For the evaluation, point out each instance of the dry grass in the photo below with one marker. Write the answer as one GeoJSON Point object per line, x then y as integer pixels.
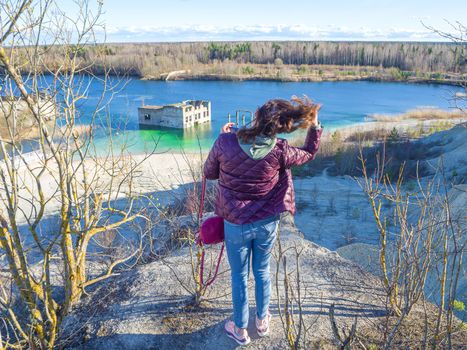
{"type": "Point", "coordinates": [411, 333]}
{"type": "Point", "coordinates": [339, 150]}
{"type": "Point", "coordinates": [421, 114]}
{"type": "Point", "coordinates": [377, 133]}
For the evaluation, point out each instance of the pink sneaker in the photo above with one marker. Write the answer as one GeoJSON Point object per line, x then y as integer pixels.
{"type": "Point", "coordinates": [262, 326]}
{"type": "Point", "coordinates": [229, 328]}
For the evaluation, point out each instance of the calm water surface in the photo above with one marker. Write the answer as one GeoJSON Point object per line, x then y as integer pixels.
{"type": "Point", "coordinates": [344, 103]}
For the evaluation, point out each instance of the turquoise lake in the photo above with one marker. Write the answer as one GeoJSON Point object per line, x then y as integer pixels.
{"type": "Point", "coordinates": [344, 103]}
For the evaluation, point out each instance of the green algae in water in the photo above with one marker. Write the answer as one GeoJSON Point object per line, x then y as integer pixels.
{"type": "Point", "coordinates": [159, 140]}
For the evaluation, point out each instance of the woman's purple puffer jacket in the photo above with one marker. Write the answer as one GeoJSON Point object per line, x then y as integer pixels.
{"type": "Point", "coordinates": [250, 190]}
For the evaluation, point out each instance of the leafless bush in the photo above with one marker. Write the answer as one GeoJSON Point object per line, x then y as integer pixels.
{"type": "Point", "coordinates": [89, 192]}
{"type": "Point", "coordinates": [291, 295]}
{"type": "Point", "coordinates": [342, 338]}
{"type": "Point", "coordinates": [424, 241]}
{"type": "Point", "coordinates": [181, 225]}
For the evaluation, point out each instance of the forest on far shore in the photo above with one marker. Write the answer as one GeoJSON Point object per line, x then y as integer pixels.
{"type": "Point", "coordinates": [263, 58]}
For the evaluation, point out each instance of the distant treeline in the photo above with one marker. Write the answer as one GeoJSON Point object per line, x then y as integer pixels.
{"type": "Point", "coordinates": [144, 59]}
{"type": "Point", "coordinates": [405, 56]}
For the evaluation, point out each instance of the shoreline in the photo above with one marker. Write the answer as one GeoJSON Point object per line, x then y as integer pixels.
{"type": "Point", "coordinates": [302, 79]}
{"type": "Point", "coordinates": [334, 74]}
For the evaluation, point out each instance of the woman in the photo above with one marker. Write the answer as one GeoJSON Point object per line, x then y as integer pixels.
{"type": "Point", "coordinates": [255, 187]}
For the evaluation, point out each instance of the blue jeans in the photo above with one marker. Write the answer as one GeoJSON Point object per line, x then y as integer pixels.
{"type": "Point", "coordinates": [244, 243]}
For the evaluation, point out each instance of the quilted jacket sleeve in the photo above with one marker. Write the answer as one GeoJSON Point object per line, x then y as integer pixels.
{"type": "Point", "coordinates": [300, 155]}
{"type": "Point", "coordinates": [211, 166]}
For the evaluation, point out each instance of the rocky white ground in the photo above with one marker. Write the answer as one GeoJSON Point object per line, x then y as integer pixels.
{"type": "Point", "coordinates": [146, 308]}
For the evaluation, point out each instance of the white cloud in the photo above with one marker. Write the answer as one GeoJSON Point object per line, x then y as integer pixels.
{"type": "Point", "coordinates": [263, 32]}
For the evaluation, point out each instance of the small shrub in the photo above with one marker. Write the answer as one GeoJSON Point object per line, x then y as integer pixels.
{"type": "Point", "coordinates": [398, 74]}
{"type": "Point", "coordinates": [458, 305]}
{"type": "Point", "coordinates": [336, 138]}
{"type": "Point", "coordinates": [302, 69]}
{"type": "Point", "coordinates": [108, 51]}
{"type": "Point", "coordinates": [77, 51]}
{"type": "Point", "coordinates": [394, 135]}
{"type": "Point", "coordinates": [248, 70]}
{"type": "Point", "coordinates": [278, 62]}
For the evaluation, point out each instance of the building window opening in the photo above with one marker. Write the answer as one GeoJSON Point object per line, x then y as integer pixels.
{"type": "Point", "coordinates": [147, 117]}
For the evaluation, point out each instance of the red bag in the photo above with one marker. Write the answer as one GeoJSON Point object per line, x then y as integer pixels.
{"type": "Point", "coordinates": [210, 232]}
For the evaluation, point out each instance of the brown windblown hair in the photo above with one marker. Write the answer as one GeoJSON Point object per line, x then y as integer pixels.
{"type": "Point", "coordinates": [280, 116]}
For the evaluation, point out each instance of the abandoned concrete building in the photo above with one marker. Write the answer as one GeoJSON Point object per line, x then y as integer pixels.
{"type": "Point", "coordinates": [178, 115]}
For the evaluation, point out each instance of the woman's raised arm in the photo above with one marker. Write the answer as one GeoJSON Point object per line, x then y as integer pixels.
{"type": "Point", "coordinates": [294, 156]}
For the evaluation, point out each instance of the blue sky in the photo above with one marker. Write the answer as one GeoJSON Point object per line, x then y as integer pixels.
{"type": "Point", "coordinates": [195, 20]}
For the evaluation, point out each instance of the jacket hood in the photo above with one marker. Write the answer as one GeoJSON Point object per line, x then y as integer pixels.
{"type": "Point", "coordinates": [260, 148]}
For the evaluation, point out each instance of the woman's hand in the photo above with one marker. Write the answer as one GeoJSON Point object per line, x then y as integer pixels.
{"type": "Point", "coordinates": [226, 128]}
{"type": "Point", "coordinates": [314, 120]}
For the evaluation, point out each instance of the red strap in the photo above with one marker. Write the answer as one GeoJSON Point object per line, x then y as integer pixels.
{"type": "Point", "coordinates": [200, 216]}
{"type": "Point", "coordinates": [200, 209]}
{"type": "Point", "coordinates": [201, 202]}
{"type": "Point", "coordinates": [201, 269]}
